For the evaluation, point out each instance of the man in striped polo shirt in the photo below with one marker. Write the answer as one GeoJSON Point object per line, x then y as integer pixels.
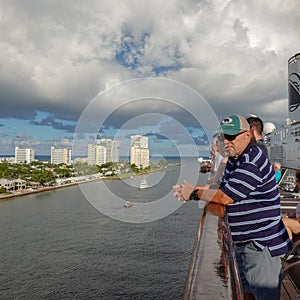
{"type": "Point", "coordinates": [249, 191]}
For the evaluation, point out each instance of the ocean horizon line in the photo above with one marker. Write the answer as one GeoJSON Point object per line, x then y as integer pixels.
{"type": "Point", "coordinates": [48, 157]}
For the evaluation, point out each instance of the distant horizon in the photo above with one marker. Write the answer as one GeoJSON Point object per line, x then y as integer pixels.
{"type": "Point", "coordinates": [80, 156]}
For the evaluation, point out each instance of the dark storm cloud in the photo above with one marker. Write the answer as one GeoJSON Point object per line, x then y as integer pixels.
{"type": "Point", "coordinates": [52, 122]}
{"type": "Point", "coordinates": [56, 56]}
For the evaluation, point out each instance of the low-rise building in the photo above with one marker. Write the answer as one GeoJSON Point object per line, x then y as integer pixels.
{"type": "Point", "coordinates": [12, 184]}
{"type": "Point", "coordinates": [7, 184]}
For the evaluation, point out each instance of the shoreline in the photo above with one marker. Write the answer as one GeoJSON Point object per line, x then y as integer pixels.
{"type": "Point", "coordinates": [50, 188]}
{"type": "Point", "coordinates": [39, 190]}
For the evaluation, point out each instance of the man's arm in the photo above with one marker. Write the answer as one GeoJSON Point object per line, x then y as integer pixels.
{"type": "Point", "coordinates": [187, 191]}
{"type": "Point", "coordinates": [213, 195]}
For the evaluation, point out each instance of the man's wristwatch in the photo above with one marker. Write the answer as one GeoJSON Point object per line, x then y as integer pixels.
{"type": "Point", "coordinates": [194, 195]}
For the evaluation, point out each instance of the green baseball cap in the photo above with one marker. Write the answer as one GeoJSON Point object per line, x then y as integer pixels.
{"type": "Point", "coordinates": [233, 125]}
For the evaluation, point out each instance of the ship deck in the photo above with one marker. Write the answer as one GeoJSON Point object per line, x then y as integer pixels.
{"type": "Point", "coordinates": [213, 271]}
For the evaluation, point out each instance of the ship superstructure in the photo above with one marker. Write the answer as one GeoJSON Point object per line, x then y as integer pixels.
{"type": "Point", "coordinates": [284, 144]}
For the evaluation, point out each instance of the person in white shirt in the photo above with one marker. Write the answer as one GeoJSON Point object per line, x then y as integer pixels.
{"type": "Point", "coordinates": [218, 161]}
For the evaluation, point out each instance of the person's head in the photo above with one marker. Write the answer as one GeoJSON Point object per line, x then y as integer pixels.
{"type": "Point", "coordinates": [217, 146]}
{"type": "Point", "coordinates": [235, 132]}
{"type": "Point", "coordinates": [256, 126]}
{"type": "Point", "coordinates": [276, 166]}
{"type": "Point", "coordinates": [214, 148]}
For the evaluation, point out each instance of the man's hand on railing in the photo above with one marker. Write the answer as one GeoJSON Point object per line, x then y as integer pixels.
{"type": "Point", "coordinates": [183, 191]}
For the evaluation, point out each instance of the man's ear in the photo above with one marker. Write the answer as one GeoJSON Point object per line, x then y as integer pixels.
{"type": "Point", "coordinates": [250, 134]}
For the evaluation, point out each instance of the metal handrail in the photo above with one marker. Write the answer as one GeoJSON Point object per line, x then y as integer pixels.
{"type": "Point", "coordinates": [213, 270]}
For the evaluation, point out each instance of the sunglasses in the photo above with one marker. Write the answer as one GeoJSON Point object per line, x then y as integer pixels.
{"type": "Point", "coordinates": [222, 137]}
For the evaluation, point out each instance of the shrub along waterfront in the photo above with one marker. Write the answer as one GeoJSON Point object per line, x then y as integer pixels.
{"type": "Point", "coordinates": [47, 174]}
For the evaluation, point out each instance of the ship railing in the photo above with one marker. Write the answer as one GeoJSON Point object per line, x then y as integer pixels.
{"type": "Point", "coordinates": [213, 272]}
{"type": "Point", "coordinates": [289, 192]}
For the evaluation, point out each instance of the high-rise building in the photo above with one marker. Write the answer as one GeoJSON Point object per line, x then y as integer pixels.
{"type": "Point", "coordinates": [139, 151]}
{"type": "Point", "coordinates": [112, 149]}
{"type": "Point", "coordinates": [96, 155]}
{"type": "Point", "coordinates": [24, 155]}
{"type": "Point", "coordinates": [103, 151]}
{"type": "Point", "coordinates": [61, 156]}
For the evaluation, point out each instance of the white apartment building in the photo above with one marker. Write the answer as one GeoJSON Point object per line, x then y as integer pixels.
{"type": "Point", "coordinates": [61, 156]}
{"type": "Point", "coordinates": [139, 151]}
{"type": "Point", "coordinates": [96, 155]}
{"type": "Point", "coordinates": [103, 151]}
{"type": "Point", "coordinates": [24, 155]}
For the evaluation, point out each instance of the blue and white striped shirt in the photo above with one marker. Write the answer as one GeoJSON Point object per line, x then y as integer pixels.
{"type": "Point", "coordinates": [255, 214]}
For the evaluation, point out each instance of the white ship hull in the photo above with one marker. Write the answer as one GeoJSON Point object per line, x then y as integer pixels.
{"type": "Point", "coordinates": [284, 145]}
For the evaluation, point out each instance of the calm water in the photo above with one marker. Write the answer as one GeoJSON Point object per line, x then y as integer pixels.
{"type": "Point", "coordinates": [56, 245]}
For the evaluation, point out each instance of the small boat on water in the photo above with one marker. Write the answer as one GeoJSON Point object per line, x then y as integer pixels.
{"type": "Point", "coordinates": [143, 184]}
{"type": "Point", "coordinates": [128, 204]}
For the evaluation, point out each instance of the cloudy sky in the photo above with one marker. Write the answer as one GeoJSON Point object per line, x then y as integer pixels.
{"type": "Point", "coordinates": [140, 67]}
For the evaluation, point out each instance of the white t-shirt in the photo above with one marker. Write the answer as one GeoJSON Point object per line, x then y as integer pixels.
{"type": "Point", "coordinates": [217, 161]}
